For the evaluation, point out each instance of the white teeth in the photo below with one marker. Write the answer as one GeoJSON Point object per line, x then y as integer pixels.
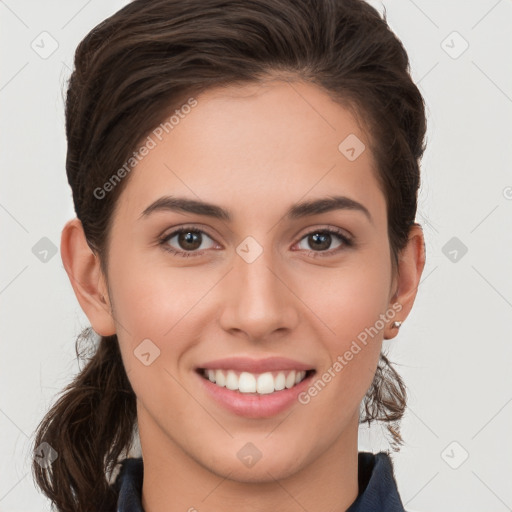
{"type": "Point", "coordinates": [220, 378]}
{"type": "Point", "coordinates": [246, 383]}
{"type": "Point", "coordinates": [290, 380]}
{"type": "Point", "coordinates": [231, 380]}
{"type": "Point", "coordinates": [263, 383]}
{"type": "Point", "coordinates": [279, 381]}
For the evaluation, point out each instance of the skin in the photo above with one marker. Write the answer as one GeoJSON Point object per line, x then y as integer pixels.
{"type": "Point", "coordinates": [254, 150]}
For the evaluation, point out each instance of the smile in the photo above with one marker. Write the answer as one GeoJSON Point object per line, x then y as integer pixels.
{"type": "Point", "coordinates": [258, 383]}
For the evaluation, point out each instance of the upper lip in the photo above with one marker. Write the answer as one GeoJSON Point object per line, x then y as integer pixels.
{"type": "Point", "coordinates": [245, 364]}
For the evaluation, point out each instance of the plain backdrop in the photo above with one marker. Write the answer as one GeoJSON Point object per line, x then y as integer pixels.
{"type": "Point", "coordinates": [454, 351]}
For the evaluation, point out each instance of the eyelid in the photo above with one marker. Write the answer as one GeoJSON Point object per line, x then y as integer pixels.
{"type": "Point", "coordinates": [169, 232]}
{"type": "Point", "coordinates": [327, 227]}
{"type": "Point", "coordinates": [347, 241]}
{"type": "Point", "coordinates": [168, 235]}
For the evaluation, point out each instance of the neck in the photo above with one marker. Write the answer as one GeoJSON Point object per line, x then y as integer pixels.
{"type": "Point", "coordinates": [174, 481]}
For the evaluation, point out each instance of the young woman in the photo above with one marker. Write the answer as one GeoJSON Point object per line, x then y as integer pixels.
{"type": "Point", "coordinates": [245, 179]}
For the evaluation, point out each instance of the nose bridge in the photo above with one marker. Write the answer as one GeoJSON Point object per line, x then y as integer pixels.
{"type": "Point", "coordinates": [257, 301]}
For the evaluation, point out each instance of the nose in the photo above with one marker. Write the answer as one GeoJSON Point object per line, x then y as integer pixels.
{"type": "Point", "coordinates": [257, 299]}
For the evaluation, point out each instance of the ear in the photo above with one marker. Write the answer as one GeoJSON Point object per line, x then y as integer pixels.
{"type": "Point", "coordinates": [410, 267]}
{"type": "Point", "coordinates": [84, 272]}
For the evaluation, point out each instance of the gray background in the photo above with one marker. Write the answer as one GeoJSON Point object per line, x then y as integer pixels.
{"type": "Point", "coordinates": [454, 351]}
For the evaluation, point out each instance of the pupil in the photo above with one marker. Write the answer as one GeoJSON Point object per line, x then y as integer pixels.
{"type": "Point", "coordinates": [324, 240]}
{"type": "Point", "coordinates": [191, 240]}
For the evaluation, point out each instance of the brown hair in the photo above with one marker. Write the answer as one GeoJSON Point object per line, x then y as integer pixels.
{"type": "Point", "coordinates": [130, 72]}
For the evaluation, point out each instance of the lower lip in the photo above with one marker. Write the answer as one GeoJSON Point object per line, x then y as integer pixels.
{"type": "Point", "coordinates": [253, 405]}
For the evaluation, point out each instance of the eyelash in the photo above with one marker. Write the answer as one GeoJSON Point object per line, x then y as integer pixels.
{"type": "Point", "coordinates": [346, 242]}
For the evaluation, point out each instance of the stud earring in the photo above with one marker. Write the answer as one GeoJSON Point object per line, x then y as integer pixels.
{"type": "Point", "coordinates": [396, 325]}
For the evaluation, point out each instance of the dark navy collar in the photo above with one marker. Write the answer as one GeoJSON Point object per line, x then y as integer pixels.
{"type": "Point", "coordinates": [377, 486]}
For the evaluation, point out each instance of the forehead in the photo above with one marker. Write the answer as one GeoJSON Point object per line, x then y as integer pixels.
{"type": "Point", "coordinates": [260, 146]}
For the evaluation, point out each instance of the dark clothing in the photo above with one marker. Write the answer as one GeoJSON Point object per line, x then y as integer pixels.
{"type": "Point", "coordinates": [377, 487]}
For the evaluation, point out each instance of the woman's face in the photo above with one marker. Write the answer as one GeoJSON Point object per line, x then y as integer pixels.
{"type": "Point", "coordinates": [268, 282]}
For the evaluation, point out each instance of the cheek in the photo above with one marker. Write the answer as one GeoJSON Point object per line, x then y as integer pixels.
{"type": "Point", "coordinates": [151, 298]}
{"type": "Point", "coordinates": [155, 314]}
{"type": "Point", "coordinates": [348, 305]}
{"type": "Point", "coordinates": [166, 306]}
{"type": "Point", "coordinates": [348, 299]}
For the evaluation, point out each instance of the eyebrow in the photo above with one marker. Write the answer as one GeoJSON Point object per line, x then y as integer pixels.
{"type": "Point", "coordinates": [296, 211]}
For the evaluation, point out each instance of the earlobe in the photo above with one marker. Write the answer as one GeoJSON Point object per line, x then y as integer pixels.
{"type": "Point", "coordinates": [410, 268]}
{"type": "Point", "coordinates": [86, 278]}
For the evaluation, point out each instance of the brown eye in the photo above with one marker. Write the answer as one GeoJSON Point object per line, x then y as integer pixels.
{"type": "Point", "coordinates": [187, 241]}
{"type": "Point", "coordinates": [322, 240]}
{"type": "Point", "coordinates": [190, 240]}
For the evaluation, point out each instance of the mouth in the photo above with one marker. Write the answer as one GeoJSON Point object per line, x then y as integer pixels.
{"type": "Point", "coordinates": [249, 383]}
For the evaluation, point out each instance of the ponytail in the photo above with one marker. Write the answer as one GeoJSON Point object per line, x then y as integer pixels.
{"type": "Point", "coordinates": [88, 428]}
{"type": "Point", "coordinates": [386, 401]}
